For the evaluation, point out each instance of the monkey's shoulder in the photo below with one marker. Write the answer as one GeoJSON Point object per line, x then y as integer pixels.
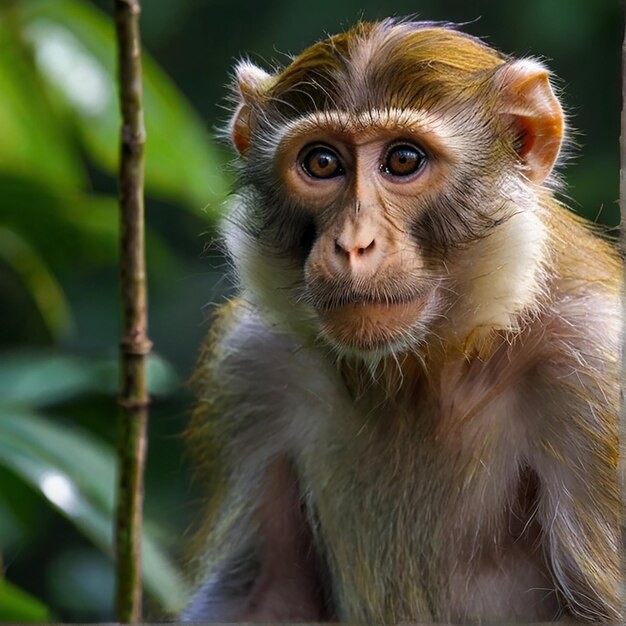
{"type": "Point", "coordinates": [257, 387]}
{"type": "Point", "coordinates": [584, 310]}
{"type": "Point", "coordinates": [582, 253]}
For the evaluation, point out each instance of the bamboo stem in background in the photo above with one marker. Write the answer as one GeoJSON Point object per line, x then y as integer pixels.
{"type": "Point", "coordinates": [622, 143]}
{"type": "Point", "coordinates": [134, 345]}
{"type": "Point", "coordinates": [622, 206]}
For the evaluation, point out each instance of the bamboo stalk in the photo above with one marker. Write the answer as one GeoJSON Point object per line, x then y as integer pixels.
{"type": "Point", "coordinates": [622, 143]}
{"type": "Point", "coordinates": [622, 205]}
{"type": "Point", "coordinates": [134, 345]}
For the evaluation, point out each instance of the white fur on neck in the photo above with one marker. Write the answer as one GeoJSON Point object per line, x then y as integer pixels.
{"type": "Point", "coordinates": [500, 276]}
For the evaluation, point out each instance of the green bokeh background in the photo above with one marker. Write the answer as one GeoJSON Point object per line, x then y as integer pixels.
{"type": "Point", "coordinates": [59, 308]}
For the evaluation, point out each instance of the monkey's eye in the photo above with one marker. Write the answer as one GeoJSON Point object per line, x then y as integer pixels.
{"type": "Point", "coordinates": [321, 162]}
{"type": "Point", "coordinates": [403, 160]}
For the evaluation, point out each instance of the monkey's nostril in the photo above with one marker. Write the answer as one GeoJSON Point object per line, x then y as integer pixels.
{"type": "Point", "coordinates": [353, 251]}
{"type": "Point", "coordinates": [361, 251]}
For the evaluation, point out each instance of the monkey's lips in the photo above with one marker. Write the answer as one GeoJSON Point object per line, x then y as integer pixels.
{"type": "Point", "coordinates": [372, 325]}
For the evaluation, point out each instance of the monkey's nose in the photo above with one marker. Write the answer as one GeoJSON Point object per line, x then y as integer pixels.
{"type": "Point", "coordinates": [357, 255]}
{"type": "Point", "coordinates": [354, 250]}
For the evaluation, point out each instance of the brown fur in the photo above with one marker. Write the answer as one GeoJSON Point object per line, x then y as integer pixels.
{"type": "Point", "coordinates": [411, 414]}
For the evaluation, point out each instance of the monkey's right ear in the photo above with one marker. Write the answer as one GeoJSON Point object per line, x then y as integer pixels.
{"type": "Point", "coordinates": [251, 82]}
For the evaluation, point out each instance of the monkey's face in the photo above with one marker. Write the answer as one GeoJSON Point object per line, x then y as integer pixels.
{"type": "Point", "coordinates": [373, 168]}
{"type": "Point", "coordinates": [369, 210]}
{"type": "Point", "coordinates": [363, 185]}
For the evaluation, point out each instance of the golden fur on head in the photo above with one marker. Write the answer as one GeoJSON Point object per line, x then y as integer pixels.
{"type": "Point", "coordinates": [382, 65]}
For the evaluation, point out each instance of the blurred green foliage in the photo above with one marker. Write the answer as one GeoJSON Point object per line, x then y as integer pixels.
{"type": "Point", "coordinates": [58, 240]}
{"type": "Point", "coordinates": [59, 122]}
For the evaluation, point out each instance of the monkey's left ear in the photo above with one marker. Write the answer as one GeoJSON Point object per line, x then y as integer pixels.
{"type": "Point", "coordinates": [250, 84]}
{"type": "Point", "coordinates": [529, 105]}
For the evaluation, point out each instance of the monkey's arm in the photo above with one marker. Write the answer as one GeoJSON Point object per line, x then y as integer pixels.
{"type": "Point", "coordinates": [254, 551]}
{"type": "Point", "coordinates": [286, 587]}
{"type": "Point", "coordinates": [576, 458]}
{"type": "Point", "coordinates": [271, 576]}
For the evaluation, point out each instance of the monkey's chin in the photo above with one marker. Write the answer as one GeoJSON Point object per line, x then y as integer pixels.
{"type": "Point", "coordinates": [375, 329]}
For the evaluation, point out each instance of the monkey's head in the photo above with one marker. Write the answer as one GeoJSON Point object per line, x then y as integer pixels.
{"type": "Point", "coordinates": [390, 184]}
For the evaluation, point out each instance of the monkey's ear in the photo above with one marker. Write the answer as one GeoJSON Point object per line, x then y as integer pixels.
{"type": "Point", "coordinates": [529, 105]}
{"type": "Point", "coordinates": [250, 84]}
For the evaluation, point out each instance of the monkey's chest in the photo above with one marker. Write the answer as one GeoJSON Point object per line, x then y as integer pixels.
{"type": "Point", "coordinates": [414, 527]}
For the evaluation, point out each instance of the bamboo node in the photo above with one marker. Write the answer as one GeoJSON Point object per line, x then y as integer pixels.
{"type": "Point", "coordinates": [132, 138]}
{"type": "Point", "coordinates": [133, 403]}
{"type": "Point", "coordinates": [139, 347]}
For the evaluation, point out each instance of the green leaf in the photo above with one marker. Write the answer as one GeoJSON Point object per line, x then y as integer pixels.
{"type": "Point", "coordinates": [74, 48]}
{"type": "Point", "coordinates": [38, 280]}
{"type": "Point", "coordinates": [76, 474]}
{"type": "Point", "coordinates": [41, 379]}
{"type": "Point", "coordinates": [69, 230]}
{"type": "Point", "coordinates": [17, 606]}
{"type": "Point", "coordinates": [62, 226]}
{"type": "Point", "coordinates": [35, 140]}
{"type": "Point", "coordinates": [36, 379]}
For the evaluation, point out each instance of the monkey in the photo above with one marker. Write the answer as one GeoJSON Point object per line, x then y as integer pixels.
{"type": "Point", "coordinates": [410, 411]}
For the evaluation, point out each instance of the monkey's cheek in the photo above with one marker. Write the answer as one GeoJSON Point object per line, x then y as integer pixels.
{"type": "Point", "coordinates": [376, 327]}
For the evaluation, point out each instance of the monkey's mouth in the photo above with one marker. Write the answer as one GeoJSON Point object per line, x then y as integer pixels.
{"type": "Point", "coordinates": [326, 295]}
{"type": "Point", "coordinates": [376, 325]}
{"type": "Point", "coordinates": [385, 315]}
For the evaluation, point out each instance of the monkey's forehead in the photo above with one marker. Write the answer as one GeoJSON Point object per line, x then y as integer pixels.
{"type": "Point", "coordinates": [382, 64]}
